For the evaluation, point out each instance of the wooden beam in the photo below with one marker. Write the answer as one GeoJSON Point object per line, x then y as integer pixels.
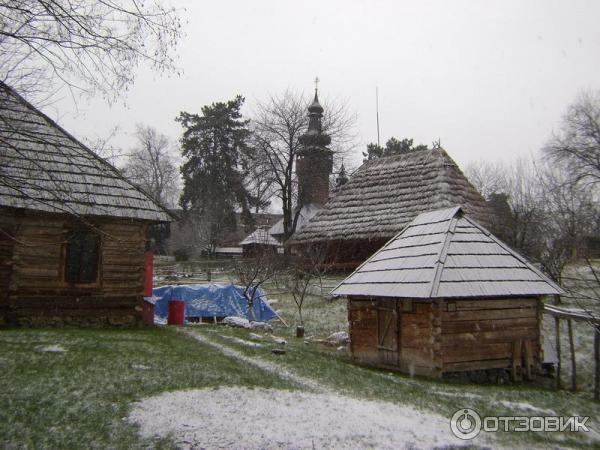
{"type": "Point", "coordinates": [573, 365]}
{"type": "Point", "coordinates": [557, 327]}
{"type": "Point", "coordinates": [597, 363]}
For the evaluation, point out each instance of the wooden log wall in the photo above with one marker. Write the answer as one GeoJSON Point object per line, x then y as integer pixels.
{"type": "Point", "coordinates": [38, 295]}
{"type": "Point", "coordinates": [7, 241]}
{"type": "Point", "coordinates": [486, 334]}
{"type": "Point", "coordinates": [417, 352]}
{"type": "Point", "coordinates": [362, 319]}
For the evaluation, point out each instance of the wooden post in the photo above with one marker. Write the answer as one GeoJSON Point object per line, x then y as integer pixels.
{"type": "Point", "coordinates": [558, 364]}
{"type": "Point", "coordinates": [573, 366]}
{"type": "Point", "coordinates": [597, 362]}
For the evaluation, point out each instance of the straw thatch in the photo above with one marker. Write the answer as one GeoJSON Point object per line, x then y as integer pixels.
{"type": "Point", "coordinates": [385, 194]}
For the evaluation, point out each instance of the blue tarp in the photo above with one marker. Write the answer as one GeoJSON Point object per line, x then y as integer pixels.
{"type": "Point", "coordinates": [210, 300]}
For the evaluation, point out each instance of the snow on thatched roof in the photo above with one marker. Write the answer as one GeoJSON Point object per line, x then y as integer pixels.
{"type": "Point", "coordinates": [385, 194]}
{"type": "Point", "coordinates": [44, 168]}
{"type": "Point", "coordinates": [260, 236]}
{"type": "Point", "coordinates": [444, 254]}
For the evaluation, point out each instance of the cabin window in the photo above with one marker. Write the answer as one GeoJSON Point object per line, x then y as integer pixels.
{"type": "Point", "coordinates": [82, 255]}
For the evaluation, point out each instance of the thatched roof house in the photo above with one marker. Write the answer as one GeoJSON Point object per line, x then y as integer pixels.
{"type": "Point", "coordinates": [73, 229]}
{"type": "Point", "coordinates": [382, 197]}
{"type": "Point", "coordinates": [445, 295]}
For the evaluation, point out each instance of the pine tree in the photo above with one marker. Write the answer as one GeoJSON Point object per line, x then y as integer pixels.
{"type": "Point", "coordinates": [214, 146]}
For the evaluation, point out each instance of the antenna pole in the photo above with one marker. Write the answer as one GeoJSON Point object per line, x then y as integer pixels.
{"type": "Point", "coordinates": [377, 111]}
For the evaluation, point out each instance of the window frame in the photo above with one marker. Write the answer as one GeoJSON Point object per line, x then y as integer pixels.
{"type": "Point", "coordinates": [65, 258]}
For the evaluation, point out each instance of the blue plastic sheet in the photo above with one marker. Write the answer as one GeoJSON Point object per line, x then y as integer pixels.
{"type": "Point", "coordinates": [210, 300]}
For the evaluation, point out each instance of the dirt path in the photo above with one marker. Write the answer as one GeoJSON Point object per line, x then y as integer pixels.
{"type": "Point", "coordinates": [260, 363]}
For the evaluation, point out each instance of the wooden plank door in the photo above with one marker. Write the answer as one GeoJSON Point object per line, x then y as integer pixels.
{"type": "Point", "coordinates": [388, 342]}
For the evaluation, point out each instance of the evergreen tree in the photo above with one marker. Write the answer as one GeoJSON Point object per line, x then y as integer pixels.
{"type": "Point", "coordinates": [392, 147]}
{"type": "Point", "coordinates": [214, 146]}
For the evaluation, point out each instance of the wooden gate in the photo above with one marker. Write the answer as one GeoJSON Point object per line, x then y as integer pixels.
{"type": "Point", "coordinates": [388, 342]}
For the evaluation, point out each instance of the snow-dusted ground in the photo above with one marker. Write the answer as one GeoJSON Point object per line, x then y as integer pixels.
{"type": "Point", "coordinates": [243, 418]}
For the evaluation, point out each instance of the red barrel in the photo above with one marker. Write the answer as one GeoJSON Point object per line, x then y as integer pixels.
{"type": "Point", "coordinates": [176, 312]}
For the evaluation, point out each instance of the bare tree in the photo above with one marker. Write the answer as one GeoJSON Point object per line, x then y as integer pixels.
{"type": "Point", "coordinates": [151, 165]}
{"type": "Point", "coordinates": [252, 273]}
{"type": "Point", "coordinates": [305, 270]}
{"type": "Point", "coordinates": [277, 126]}
{"type": "Point", "coordinates": [570, 216]}
{"type": "Point", "coordinates": [578, 142]}
{"type": "Point", "coordinates": [86, 45]}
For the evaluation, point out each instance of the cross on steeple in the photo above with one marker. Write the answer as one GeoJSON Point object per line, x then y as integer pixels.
{"type": "Point", "coordinates": [317, 83]}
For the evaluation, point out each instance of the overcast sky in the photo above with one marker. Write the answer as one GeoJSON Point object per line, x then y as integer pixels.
{"type": "Point", "coordinates": [491, 79]}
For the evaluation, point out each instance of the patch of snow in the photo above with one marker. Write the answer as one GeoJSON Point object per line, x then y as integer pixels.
{"type": "Point", "coordinates": [279, 340]}
{"type": "Point", "coordinates": [527, 407]}
{"type": "Point", "coordinates": [264, 326]}
{"type": "Point", "coordinates": [237, 322]}
{"type": "Point", "coordinates": [339, 338]}
{"type": "Point", "coordinates": [242, 341]}
{"type": "Point", "coordinates": [267, 418]}
{"type": "Point", "coordinates": [140, 367]}
{"type": "Point", "coordinates": [51, 349]}
{"type": "Point", "coordinates": [255, 336]}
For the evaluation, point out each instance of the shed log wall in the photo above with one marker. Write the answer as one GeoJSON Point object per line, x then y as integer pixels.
{"type": "Point", "coordinates": [37, 293]}
{"type": "Point", "coordinates": [485, 334]}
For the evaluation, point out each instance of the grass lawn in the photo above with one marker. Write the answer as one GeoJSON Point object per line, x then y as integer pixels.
{"type": "Point", "coordinates": [78, 399]}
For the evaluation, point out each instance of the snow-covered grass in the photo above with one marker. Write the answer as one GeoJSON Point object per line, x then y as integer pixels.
{"type": "Point", "coordinates": [336, 372]}
{"type": "Point", "coordinates": [270, 418]}
{"type": "Point", "coordinates": [79, 397]}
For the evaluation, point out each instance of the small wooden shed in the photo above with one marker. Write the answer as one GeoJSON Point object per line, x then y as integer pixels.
{"type": "Point", "coordinates": [73, 230]}
{"type": "Point", "coordinates": [444, 295]}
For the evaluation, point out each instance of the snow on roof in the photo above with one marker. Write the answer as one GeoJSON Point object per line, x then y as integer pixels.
{"type": "Point", "coordinates": [44, 168]}
{"type": "Point", "coordinates": [306, 213]}
{"type": "Point", "coordinates": [260, 236]}
{"type": "Point", "coordinates": [385, 194]}
{"type": "Point", "coordinates": [443, 254]}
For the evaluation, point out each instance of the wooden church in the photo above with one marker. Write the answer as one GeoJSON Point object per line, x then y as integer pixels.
{"type": "Point", "coordinates": [377, 201]}
{"type": "Point", "coordinates": [443, 296]}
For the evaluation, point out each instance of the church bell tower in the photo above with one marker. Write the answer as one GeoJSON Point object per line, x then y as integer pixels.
{"type": "Point", "coordinates": [314, 160]}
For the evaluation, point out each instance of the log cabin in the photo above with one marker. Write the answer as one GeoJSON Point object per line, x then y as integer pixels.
{"type": "Point", "coordinates": [444, 296]}
{"type": "Point", "coordinates": [73, 230]}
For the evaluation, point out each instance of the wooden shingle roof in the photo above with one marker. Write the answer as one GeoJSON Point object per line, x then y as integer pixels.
{"type": "Point", "coordinates": [44, 168]}
{"type": "Point", "coordinates": [260, 236]}
{"type": "Point", "coordinates": [385, 194]}
{"type": "Point", "coordinates": [444, 254]}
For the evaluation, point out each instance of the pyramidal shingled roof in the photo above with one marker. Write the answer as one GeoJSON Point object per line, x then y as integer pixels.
{"type": "Point", "coordinates": [260, 236]}
{"type": "Point", "coordinates": [385, 194]}
{"type": "Point", "coordinates": [444, 254]}
{"type": "Point", "coordinates": [44, 168]}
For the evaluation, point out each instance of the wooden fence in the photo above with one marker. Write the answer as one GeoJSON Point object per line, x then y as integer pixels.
{"type": "Point", "coordinates": [578, 316]}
